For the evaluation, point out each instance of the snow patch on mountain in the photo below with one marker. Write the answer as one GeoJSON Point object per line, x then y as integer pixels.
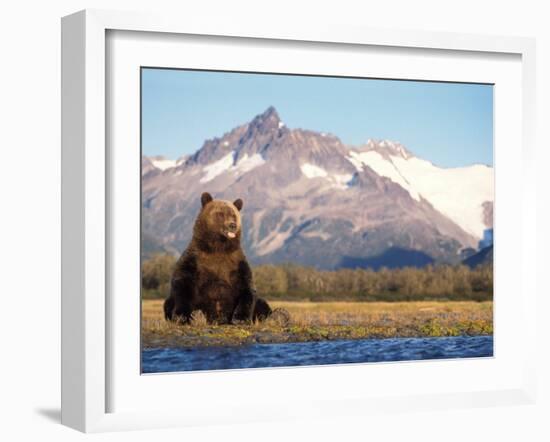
{"type": "Point", "coordinates": [246, 163]}
{"type": "Point", "coordinates": [458, 193]}
{"type": "Point", "coordinates": [341, 181]}
{"type": "Point", "coordinates": [355, 159]}
{"type": "Point", "coordinates": [312, 171]}
{"type": "Point", "coordinates": [338, 181]}
{"type": "Point", "coordinates": [273, 241]}
{"type": "Point", "coordinates": [383, 168]}
{"type": "Point", "coordinates": [163, 164]}
{"type": "Point", "coordinates": [218, 167]}
{"type": "Point", "coordinates": [226, 164]}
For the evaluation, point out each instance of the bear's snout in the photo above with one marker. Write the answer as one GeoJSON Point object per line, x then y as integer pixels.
{"type": "Point", "coordinates": [231, 229]}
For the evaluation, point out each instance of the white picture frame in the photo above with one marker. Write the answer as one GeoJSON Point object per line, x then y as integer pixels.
{"type": "Point", "coordinates": [87, 209]}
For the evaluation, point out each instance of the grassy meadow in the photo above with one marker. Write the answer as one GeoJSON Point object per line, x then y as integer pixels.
{"type": "Point", "coordinates": [316, 321]}
{"type": "Point", "coordinates": [442, 300]}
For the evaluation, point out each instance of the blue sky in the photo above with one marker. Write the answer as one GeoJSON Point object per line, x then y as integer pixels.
{"type": "Point", "coordinates": [449, 124]}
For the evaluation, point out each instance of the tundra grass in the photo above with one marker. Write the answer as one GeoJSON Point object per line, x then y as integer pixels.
{"type": "Point", "coordinates": [316, 321]}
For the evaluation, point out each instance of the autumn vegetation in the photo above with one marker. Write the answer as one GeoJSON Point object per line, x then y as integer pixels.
{"type": "Point", "coordinates": [439, 300]}
{"type": "Point", "coordinates": [289, 282]}
{"type": "Point", "coordinates": [324, 321]}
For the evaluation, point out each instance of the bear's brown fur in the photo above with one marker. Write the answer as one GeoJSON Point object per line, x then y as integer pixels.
{"type": "Point", "coordinates": [212, 274]}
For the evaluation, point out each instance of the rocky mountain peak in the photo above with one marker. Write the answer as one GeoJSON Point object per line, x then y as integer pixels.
{"type": "Point", "coordinates": [263, 132]}
{"type": "Point", "coordinates": [386, 148]}
{"type": "Point", "coordinates": [243, 141]}
{"type": "Point", "coordinates": [268, 120]}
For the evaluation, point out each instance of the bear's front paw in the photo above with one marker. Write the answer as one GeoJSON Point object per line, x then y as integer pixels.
{"type": "Point", "coordinates": [242, 315]}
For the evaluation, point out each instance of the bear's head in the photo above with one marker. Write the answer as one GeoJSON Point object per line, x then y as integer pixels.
{"type": "Point", "coordinates": [218, 225]}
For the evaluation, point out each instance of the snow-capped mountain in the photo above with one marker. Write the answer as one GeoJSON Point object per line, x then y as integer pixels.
{"type": "Point", "coordinates": [311, 199]}
{"type": "Point", "coordinates": [462, 194]}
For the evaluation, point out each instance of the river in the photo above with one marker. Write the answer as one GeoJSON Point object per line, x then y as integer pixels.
{"type": "Point", "coordinates": [161, 360]}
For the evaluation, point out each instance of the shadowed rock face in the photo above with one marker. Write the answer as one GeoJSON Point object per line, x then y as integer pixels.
{"type": "Point", "coordinates": [488, 213]}
{"type": "Point", "coordinates": [305, 201]}
{"type": "Point", "coordinates": [393, 257]}
{"type": "Point", "coordinates": [484, 256]}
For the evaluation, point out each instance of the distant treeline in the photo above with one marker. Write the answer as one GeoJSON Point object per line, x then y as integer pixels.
{"type": "Point", "coordinates": [291, 282]}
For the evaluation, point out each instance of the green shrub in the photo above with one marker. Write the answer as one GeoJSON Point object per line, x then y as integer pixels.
{"type": "Point", "coordinates": [155, 275]}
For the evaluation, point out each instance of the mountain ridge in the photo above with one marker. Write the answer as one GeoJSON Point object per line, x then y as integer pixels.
{"type": "Point", "coordinates": [343, 195]}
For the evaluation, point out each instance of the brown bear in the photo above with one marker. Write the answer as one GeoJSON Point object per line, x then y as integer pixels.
{"type": "Point", "coordinates": [212, 275]}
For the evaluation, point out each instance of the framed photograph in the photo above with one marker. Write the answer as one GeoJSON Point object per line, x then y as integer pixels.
{"type": "Point", "coordinates": [272, 245]}
{"type": "Point", "coordinates": [264, 223]}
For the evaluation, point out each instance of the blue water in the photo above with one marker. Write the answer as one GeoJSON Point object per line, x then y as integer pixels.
{"type": "Point", "coordinates": [160, 360]}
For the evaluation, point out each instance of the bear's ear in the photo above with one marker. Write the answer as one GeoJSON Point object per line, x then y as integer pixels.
{"type": "Point", "coordinates": [238, 204]}
{"type": "Point", "coordinates": [206, 198]}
